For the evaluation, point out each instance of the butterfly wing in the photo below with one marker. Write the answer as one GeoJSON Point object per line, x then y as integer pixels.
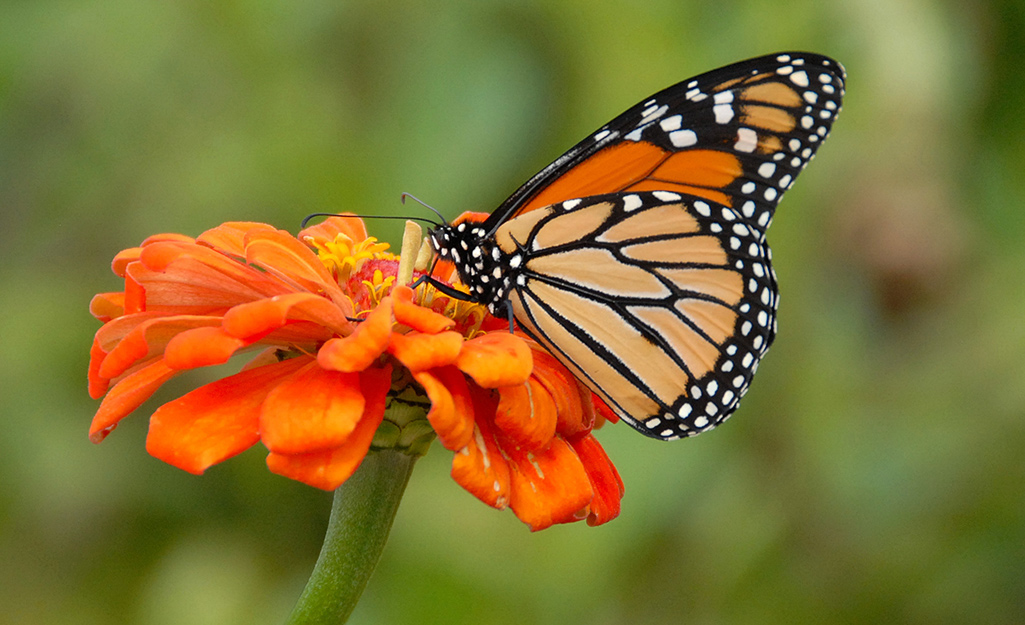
{"type": "Point", "coordinates": [738, 135]}
{"type": "Point", "coordinates": [661, 303]}
{"type": "Point", "coordinates": [638, 258]}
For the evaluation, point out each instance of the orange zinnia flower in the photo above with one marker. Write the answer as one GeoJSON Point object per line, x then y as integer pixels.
{"type": "Point", "coordinates": [322, 389]}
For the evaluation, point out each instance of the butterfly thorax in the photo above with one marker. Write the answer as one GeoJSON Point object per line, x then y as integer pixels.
{"type": "Point", "coordinates": [481, 264]}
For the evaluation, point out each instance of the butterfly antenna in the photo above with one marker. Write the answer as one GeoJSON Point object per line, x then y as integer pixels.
{"type": "Point", "coordinates": [425, 205]}
{"type": "Point", "coordinates": [312, 216]}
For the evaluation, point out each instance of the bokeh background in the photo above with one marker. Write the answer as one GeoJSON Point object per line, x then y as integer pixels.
{"type": "Point", "coordinates": [875, 473]}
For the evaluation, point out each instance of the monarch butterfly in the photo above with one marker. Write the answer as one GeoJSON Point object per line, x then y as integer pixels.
{"type": "Point", "coordinates": [638, 258]}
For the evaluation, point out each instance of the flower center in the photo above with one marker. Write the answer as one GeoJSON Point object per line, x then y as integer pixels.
{"type": "Point", "coordinates": [344, 257]}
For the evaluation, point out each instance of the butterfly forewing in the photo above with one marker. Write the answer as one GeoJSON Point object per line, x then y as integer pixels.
{"type": "Point", "coordinates": [662, 303]}
{"type": "Point", "coordinates": [738, 136]}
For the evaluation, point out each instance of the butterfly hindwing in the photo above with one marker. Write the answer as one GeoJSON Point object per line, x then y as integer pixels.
{"type": "Point", "coordinates": [662, 303]}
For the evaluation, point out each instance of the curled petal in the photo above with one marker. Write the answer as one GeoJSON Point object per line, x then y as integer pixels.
{"type": "Point", "coordinates": [605, 481]}
{"type": "Point", "coordinates": [107, 339]}
{"type": "Point", "coordinates": [526, 414]}
{"type": "Point", "coordinates": [331, 227]}
{"type": "Point", "coordinates": [98, 384]}
{"type": "Point", "coordinates": [417, 317]}
{"type": "Point", "coordinates": [173, 237]}
{"type": "Point", "coordinates": [148, 338]}
{"type": "Point", "coordinates": [329, 468]}
{"type": "Point", "coordinates": [230, 237]}
{"type": "Point", "coordinates": [216, 421]}
{"type": "Point", "coordinates": [135, 295]}
{"type": "Point", "coordinates": [201, 347]}
{"type": "Point", "coordinates": [256, 319]}
{"type": "Point", "coordinates": [602, 411]}
{"type": "Point", "coordinates": [107, 306]}
{"type": "Point", "coordinates": [426, 351]}
{"type": "Point", "coordinates": [573, 419]}
{"type": "Point", "coordinates": [451, 413]}
{"type": "Point", "coordinates": [123, 258]}
{"type": "Point", "coordinates": [127, 395]}
{"type": "Point", "coordinates": [282, 255]}
{"type": "Point", "coordinates": [480, 468]}
{"type": "Point", "coordinates": [360, 349]}
{"type": "Point", "coordinates": [313, 410]}
{"type": "Point", "coordinates": [471, 217]}
{"type": "Point", "coordinates": [548, 486]}
{"type": "Point", "coordinates": [496, 359]}
{"type": "Point", "coordinates": [192, 285]}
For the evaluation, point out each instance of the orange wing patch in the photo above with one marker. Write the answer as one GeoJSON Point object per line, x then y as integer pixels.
{"type": "Point", "coordinates": [607, 171]}
{"type": "Point", "coordinates": [643, 166]}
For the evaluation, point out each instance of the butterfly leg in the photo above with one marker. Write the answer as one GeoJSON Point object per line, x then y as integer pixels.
{"type": "Point", "coordinates": [441, 286]}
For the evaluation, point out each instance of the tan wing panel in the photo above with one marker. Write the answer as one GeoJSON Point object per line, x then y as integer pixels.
{"type": "Point", "coordinates": [703, 250]}
{"type": "Point", "coordinates": [598, 270]}
{"type": "Point", "coordinates": [671, 219]}
{"type": "Point", "coordinates": [607, 329]}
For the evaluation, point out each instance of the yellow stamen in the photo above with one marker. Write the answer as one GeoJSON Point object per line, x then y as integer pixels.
{"type": "Point", "coordinates": [344, 257]}
{"type": "Point", "coordinates": [378, 287]}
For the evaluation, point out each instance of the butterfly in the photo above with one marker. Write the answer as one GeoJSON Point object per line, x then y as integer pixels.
{"type": "Point", "coordinates": [638, 258]}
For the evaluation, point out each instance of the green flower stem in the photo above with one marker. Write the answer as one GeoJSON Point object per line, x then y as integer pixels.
{"type": "Point", "coordinates": [361, 517]}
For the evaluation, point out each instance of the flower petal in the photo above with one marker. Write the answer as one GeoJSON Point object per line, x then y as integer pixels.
{"type": "Point", "coordinates": [98, 384]}
{"type": "Point", "coordinates": [328, 469]}
{"type": "Point", "coordinates": [573, 418]}
{"type": "Point", "coordinates": [198, 280]}
{"type": "Point", "coordinates": [496, 359]}
{"type": "Point", "coordinates": [230, 237]}
{"type": "Point", "coordinates": [602, 411]}
{"type": "Point", "coordinates": [605, 480]}
{"type": "Point", "coordinates": [451, 413]}
{"type": "Point", "coordinates": [107, 306]}
{"type": "Point", "coordinates": [135, 294]}
{"type": "Point", "coordinates": [123, 258]}
{"type": "Point", "coordinates": [201, 347]}
{"type": "Point", "coordinates": [313, 410]}
{"type": "Point", "coordinates": [127, 395]}
{"type": "Point", "coordinates": [419, 352]}
{"type": "Point", "coordinates": [216, 421]}
{"type": "Point", "coordinates": [331, 227]}
{"type": "Point", "coordinates": [361, 348]}
{"type": "Point", "coordinates": [526, 414]}
{"type": "Point", "coordinates": [256, 319]}
{"type": "Point", "coordinates": [147, 339]}
{"type": "Point", "coordinates": [418, 317]}
{"type": "Point", "coordinates": [479, 467]}
{"type": "Point", "coordinates": [282, 255]}
{"type": "Point", "coordinates": [549, 486]}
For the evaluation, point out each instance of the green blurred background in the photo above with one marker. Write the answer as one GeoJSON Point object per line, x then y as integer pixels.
{"type": "Point", "coordinates": [875, 473]}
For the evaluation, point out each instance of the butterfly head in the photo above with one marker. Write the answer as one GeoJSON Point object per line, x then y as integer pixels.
{"type": "Point", "coordinates": [481, 264]}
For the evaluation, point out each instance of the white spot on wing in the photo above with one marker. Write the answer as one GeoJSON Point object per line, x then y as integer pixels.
{"type": "Point", "coordinates": [683, 138]}
{"type": "Point", "coordinates": [671, 123]}
{"type": "Point", "coordinates": [747, 140]}
{"type": "Point", "coordinates": [632, 202]}
{"type": "Point", "coordinates": [723, 113]}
